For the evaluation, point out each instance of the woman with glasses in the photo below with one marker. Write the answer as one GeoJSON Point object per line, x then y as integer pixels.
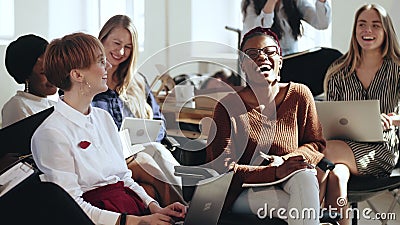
{"type": "Point", "coordinates": [264, 133]}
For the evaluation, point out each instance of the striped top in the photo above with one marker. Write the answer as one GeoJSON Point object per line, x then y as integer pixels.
{"type": "Point", "coordinates": [384, 87]}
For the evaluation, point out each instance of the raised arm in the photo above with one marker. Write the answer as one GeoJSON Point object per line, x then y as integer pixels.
{"type": "Point", "coordinates": [318, 15]}
{"type": "Point", "coordinates": [264, 19]}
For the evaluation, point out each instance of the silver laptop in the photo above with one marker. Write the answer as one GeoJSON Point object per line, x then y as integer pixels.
{"type": "Point", "coordinates": [141, 130]}
{"type": "Point", "coordinates": [353, 120]}
{"type": "Point", "coordinates": [208, 200]}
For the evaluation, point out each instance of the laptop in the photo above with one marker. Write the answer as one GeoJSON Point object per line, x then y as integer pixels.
{"type": "Point", "coordinates": [353, 120]}
{"type": "Point", "coordinates": [21, 133]}
{"type": "Point", "coordinates": [208, 200]}
{"type": "Point", "coordinates": [141, 130]}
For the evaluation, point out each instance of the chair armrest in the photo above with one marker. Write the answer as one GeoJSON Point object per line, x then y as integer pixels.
{"type": "Point", "coordinates": [191, 176]}
{"type": "Point", "coordinates": [170, 143]}
{"type": "Point", "coordinates": [325, 164]}
{"type": "Point", "coordinates": [195, 172]}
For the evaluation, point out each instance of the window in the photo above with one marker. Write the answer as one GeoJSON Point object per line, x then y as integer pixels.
{"type": "Point", "coordinates": [6, 19]}
{"type": "Point", "coordinates": [133, 9]}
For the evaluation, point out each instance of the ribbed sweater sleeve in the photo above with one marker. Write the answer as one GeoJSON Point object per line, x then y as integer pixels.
{"type": "Point", "coordinates": [241, 132]}
{"type": "Point", "coordinates": [218, 151]}
{"type": "Point", "coordinates": [227, 150]}
{"type": "Point", "coordinates": [230, 148]}
{"type": "Point", "coordinates": [310, 141]}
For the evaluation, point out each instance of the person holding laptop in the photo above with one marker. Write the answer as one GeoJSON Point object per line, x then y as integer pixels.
{"type": "Point", "coordinates": [128, 95]}
{"type": "Point", "coordinates": [78, 146]}
{"type": "Point", "coordinates": [265, 132]}
{"type": "Point", "coordinates": [369, 70]}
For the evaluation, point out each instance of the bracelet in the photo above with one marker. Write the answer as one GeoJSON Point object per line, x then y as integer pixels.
{"type": "Point", "coordinates": [122, 220]}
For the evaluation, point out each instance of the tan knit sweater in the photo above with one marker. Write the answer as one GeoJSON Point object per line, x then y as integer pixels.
{"type": "Point", "coordinates": [243, 132]}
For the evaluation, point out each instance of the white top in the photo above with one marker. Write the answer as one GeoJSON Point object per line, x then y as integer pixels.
{"type": "Point", "coordinates": [22, 105]}
{"type": "Point", "coordinates": [316, 13]}
{"type": "Point", "coordinates": [56, 151]}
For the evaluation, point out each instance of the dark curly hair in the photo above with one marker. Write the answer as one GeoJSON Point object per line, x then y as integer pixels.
{"type": "Point", "coordinates": [260, 31]}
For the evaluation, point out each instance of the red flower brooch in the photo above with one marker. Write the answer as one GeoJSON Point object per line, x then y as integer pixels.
{"type": "Point", "coordinates": [84, 144]}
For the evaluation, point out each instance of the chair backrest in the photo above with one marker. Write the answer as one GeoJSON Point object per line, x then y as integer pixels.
{"type": "Point", "coordinates": [309, 67]}
{"type": "Point", "coordinates": [16, 138]}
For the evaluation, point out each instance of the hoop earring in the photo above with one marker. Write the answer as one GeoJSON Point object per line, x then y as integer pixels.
{"type": "Point", "coordinates": [26, 86]}
{"type": "Point", "coordinates": [82, 88]}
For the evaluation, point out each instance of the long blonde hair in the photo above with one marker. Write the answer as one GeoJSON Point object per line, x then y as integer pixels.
{"type": "Point", "coordinates": [351, 60]}
{"type": "Point", "coordinates": [131, 87]}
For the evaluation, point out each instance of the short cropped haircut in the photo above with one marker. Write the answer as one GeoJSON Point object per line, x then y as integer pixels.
{"type": "Point", "coordinates": [73, 51]}
{"type": "Point", "coordinates": [260, 31]}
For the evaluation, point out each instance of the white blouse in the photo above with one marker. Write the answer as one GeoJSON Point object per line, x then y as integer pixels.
{"type": "Point", "coordinates": [56, 151]}
{"type": "Point", "coordinates": [22, 105]}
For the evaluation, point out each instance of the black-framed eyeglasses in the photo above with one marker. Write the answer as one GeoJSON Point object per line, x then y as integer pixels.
{"type": "Point", "coordinates": [269, 51]}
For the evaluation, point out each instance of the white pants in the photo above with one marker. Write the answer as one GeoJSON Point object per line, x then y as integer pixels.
{"type": "Point", "coordinates": [165, 162]}
{"type": "Point", "coordinates": [295, 200]}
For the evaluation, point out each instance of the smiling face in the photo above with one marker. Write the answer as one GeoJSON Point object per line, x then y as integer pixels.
{"type": "Point", "coordinates": [264, 66]}
{"type": "Point", "coordinates": [369, 30]}
{"type": "Point", "coordinates": [38, 83]}
{"type": "Point", "coordinates": [118, 46]}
